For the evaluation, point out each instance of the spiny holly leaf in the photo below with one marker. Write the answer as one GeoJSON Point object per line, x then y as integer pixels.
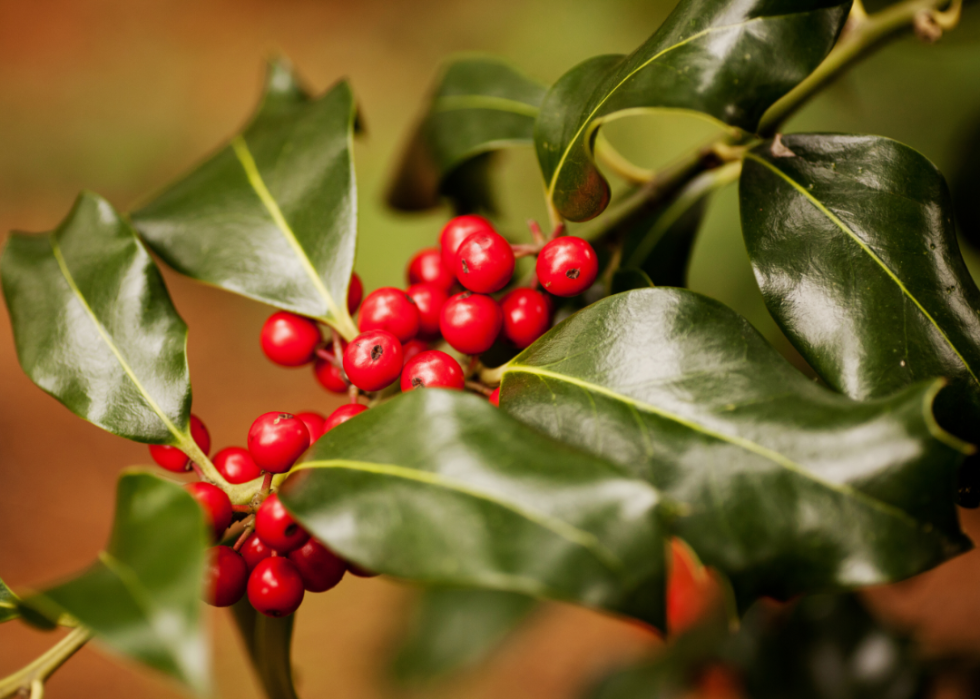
{"type": "Point", "coordinates": [8, 603]}
{"type": "Point", "coordinates": [269, 645]}
{"type": "Point", "coordinates": [480, 105]}
{"type": "Point", "coordinates": [783, 485]}
{"type": "Point", "coordinates": [457, 628]}
{"type": "Point", "coordinates": [142, 596]}
{"type": "Point", "coordinates": [854, 246]}
{"type": "Point", "coordinates": [729, 61]}
{"type": "Point", "coordinates": [95, 327]}
{"type": "Point", "coordinates": [273, 215]}
{"type": "Point", "coordinates": [442, 488]}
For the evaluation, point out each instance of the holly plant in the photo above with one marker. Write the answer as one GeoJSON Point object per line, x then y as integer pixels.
{"type": "Point", "coordinates": [539, 419]}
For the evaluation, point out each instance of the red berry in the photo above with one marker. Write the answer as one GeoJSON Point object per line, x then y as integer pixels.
{"type": "Point", "coordinates": [342, 415]}
{"type": "Point", "coordinates": [215, 503]}
{"type": "Point", "coordinates": [275, 441]}
{"type": "Point", "coordinates": [390, 309]}
{"type": "Point", "coordinates": [427, 268]}
{"type": "Point", "coordinates": [458, 230]}
{"type": "Point", "coordinates": [319, 567]}
{"type": "Point", "coordinates": [277, 528]}
{"type": "Point", "coordinates": [432, 369]}
{"type": "Point", "coordinates": [484, 262]}
{"type": "Point", "coordinates": [527, 315]}
{"type": "Point", "coordinates": [413, 348]}
{"type": "Point", "coordinates": [360, 572]}
{"type": "Point", "coordinates": [172, 458]}
{"type": "Point", "coordinates": [289, 339]}
{"type": "Point", "coordinates": [236, 465]}
{"type": "Point", "coordinates": [225, 577]}
{"type": "Point", "coordinates": [254, 551]}
{"type": "Point", "coordinates": [471, 322]}
{"type": "Point", "coordinates": [495, 397]}
{"type": "Point", "coordinates": [275, 587]}
{"type": "Point", "coordinates": [314, 424]}
{"type": "Point", "coordinates": [373, 360]}
{"type": "Point", "coordinates": [355, 292]}
{"type": "Point", "coordinates": [429, 299]}
{"type": "Point", "coordinates": [567, 266]}
{"type": "Point", "coordinates": [330, 376]}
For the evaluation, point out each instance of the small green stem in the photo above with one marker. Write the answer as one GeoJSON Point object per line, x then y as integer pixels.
{"type": "Point", "coordinates": [31, 677]}
{"type": "Point", "coordinates": [863, 33]}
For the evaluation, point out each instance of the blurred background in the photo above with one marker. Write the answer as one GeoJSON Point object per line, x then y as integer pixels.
{"type": "Point", "coordinates": [120, 97]}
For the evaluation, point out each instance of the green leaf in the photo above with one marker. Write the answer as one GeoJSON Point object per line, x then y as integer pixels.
{"type": "Point", "coordinates": [480, 105]}
{"type": "Point", "coordinates": [854, 247]}
{"type": "Point", "coordinates": [9, 603]}
{"type": "Point", "coordinates": [273, 215]}
{"type": "Point", "coordinates": [447, 490]}
{"type": "Point", "coordinates": [269, 645]}
{"type": "Point", "coordinates": [629, 279]}
{"type": "Point", "coordinates": [95, 327]}
{"type": "Point", "coordinates": [727, 61]}
{"type": "Point", "coordinates": [457, 628]}
{"type": "Point", "coordinates": [142, 596]}
{"type": "Point", "coordinates": [783, 485]}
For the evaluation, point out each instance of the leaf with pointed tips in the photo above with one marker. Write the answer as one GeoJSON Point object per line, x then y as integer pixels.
{"type": "Point", "coordinates": [481, 105]}
{"type": "Point", "coordinates": [273, 215]}
{"type": "Point", "coordinates": [142, 596]}
{"type": "Point", "coordinates": [8, 604]}
{"type": "Point", "coordinates": [728, 61]}
{"type": "Point", "coordinates": [781, 484]}
{"type": "Point", "coordinates": [448, 490]}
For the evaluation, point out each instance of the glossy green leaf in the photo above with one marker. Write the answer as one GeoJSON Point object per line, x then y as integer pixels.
{"type": "Point", "coordinates": [854, 246]}
{"type": "Point", "coordinates": [480, 105]}
{"type": "Point", "coordinates": [820, 648]}
{"type": "Point", "coordinates": [728, 61]}
{"type": "Point", "coordinates": [142, 596]}
{"type": "Point", "coordinates": [273, 215]}
{"type": "Point", "coordinates": [440, 487]}
{"type": "Point", "coordinates": [783, 485]}
{"type": "Point", "coordinates": [457, 628]}
{"type": "Point", "coordinates": [95, 327]}
{"type": "Point", "coordinates": [269, 644]}
{"type": "Point", "coordinates": [8, 603]}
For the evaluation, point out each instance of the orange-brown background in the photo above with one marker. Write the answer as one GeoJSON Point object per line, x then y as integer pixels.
{"type": "Point", "coordinates": [120, 96]}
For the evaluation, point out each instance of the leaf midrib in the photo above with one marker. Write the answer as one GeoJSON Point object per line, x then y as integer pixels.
{"type": "Point", "coordinates": [868, 251]}
{"type": "Point", "coordinates": [734, 440]}
{"type": "Point", "coordinates": [566, 531]}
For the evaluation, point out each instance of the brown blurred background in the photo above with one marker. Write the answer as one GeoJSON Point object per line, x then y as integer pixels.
{"type": "Point", "coordinates": [119, 96]}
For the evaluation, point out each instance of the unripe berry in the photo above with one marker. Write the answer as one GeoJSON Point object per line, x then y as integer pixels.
{"type": "Point", "coordinates": [275, 587]}
{"type": "Point", "coordinates": [254, 551]}
{"type": "Point", "coordinates": [413, 348]}
{"type": "Point", "coordinates": [495, 397]}
{"type": "Point", "coordinates": [567, 266]}
{"type": "Point", "coordinates": [172, 458]}
{"type": "Point", "coordinates": [484, 262]}
{"type": "Point", "coordinates": [342, 415]}
{"type": "Point", "coordinates": [314, 424]}
{"type": "Point", "coordinates": [527, 315]}
{"type": "Point", "coordinates": [277, 528]}
{"type": "Point", "coordinates": [225, 577]}
{"type": "Point", "coordinates": [330, 376]}
{"type": "Point", "coordinates": [432, 369]}
{"type": "Point", "coordinates": [289, 339]}
{"type": "Point", "coordinates": [427, 268]}
{"type": "Point", "coordinates": [390, 309]}
{"type": "Point", "coordinates": [216, 505]}
{"type": "Point", "coordinates": [236, 465]}
{"type": "Point", "coordinates": [458, 230]}
{"type": "Point", "coordinates": [429, 300]}
{"type": "Point", "coordinates": [355, 292]}
{"type": "Point", "coordinates": [471, 322]}
{"type": "Point", "coordinates": [275, 441]}
{"type": "Point", "coordinates": [373, 360]}
{"type": "Point", "coordinates": [319, 567]}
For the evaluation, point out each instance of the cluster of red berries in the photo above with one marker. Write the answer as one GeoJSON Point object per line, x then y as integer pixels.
{"type": "Point", "coordinates": [397, 327]}
{"type": "Point", "coordinates": [279, 562]}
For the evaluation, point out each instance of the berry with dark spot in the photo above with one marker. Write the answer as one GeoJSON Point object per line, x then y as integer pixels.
{"type": "Point", "coordinates": [484, 262]}
{"type": "Point", "coordinates": [458, 230]}
{"type": "Point", "coordinates": [567, 266]}
{"type": "Point", "coordinates": [277, 528]}
{"type": "Point", "coordinates": [432, 369]}
{"type": "Point", "coordinates": [275, 441]}
{"type": "Point", "coordinates": [373, 360]}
